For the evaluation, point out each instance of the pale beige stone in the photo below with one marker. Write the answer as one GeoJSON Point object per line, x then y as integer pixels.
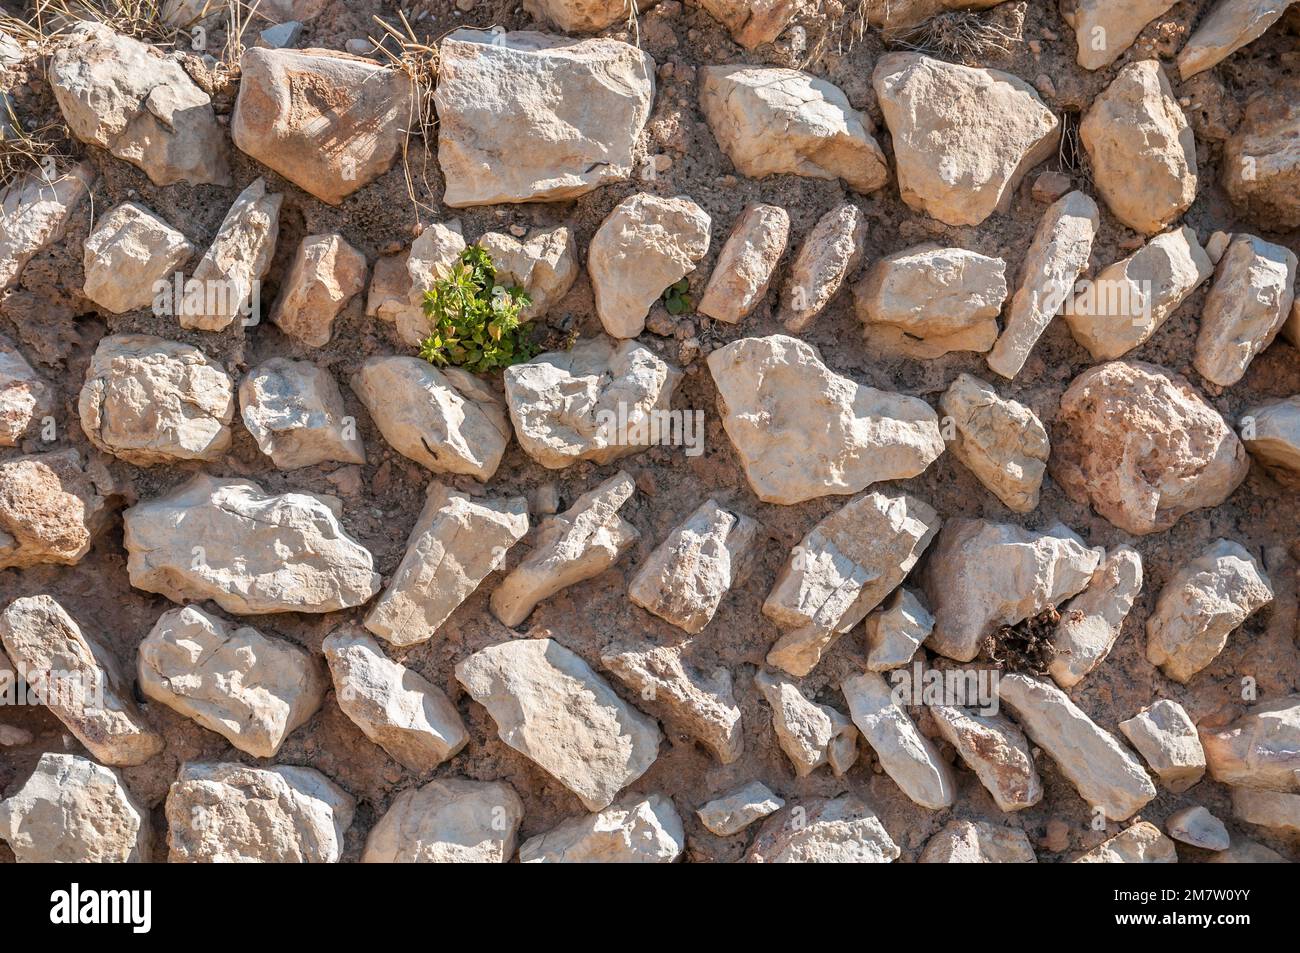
{"type": "Point", "coordinates": [753, 22]}
{"type": "Point", "coordinates": [1245, 851]}
{"type": "Point", "coordinates": [978, 842]}
{"type": "Point", "coordinates": [1271, 433]}
{"type": "Point", "coordinates": [1104, 29]}
{"type": "Point", "coordinates": [584, 16]}
{"type": "Point", "coordinates": [26, 398]}
{"type": "Point", "coordinates": [1271, 809]}
{"type": "Point", "coordinates": [895, 632]}
{"type": "Point", "coordinates": [828, 257]}
{"type": "Point", "coordinates": [52, 508]}
{"type": "Point", "coordinates": [1261, 161]}
{"type": "Point", "coordinates": [34, 214]}
{"type": "Point", "coordinates": [544, 263]}
{"type": "Point", "coordinates": [1230, 25]}
{"type": "Point", "coordinates": [996, 750]}
{"type": "Point", "coordinates": [447, 821]}
{"type": "Point", "coordinates": [1143, 843]}
{"type": "Point", "coordinates": [1261, 749]}
{"type": "Point", "coordinates": [810, 734]}
{"type": "Point", "coordinates": [295, 414]}
{"type": "Point", "coordinates": [128, 252]}
{"type": "Point", "coordinates": [843, 830]}
{"type": "Point", "coordinates": [637, 830]}
{"type": "Point", "coordinates": [1198, 827]}
{"type": "Point", "coordinates": [999, 440]}
{"type": "Point", "coordinates": [746, 264]}
{"type": "Point", "coordinates": [432, 255]}
{"type": "Point", "coordinates": [325, 274]}
{"type": "Point", "coordinates": [1092, 620]}
{"type": "Point", "coordinates": [733, 812]}
{"type": "Point", "coordinates": [226, 283]}
{"type": "Point", "coordinates": [1166, 738]}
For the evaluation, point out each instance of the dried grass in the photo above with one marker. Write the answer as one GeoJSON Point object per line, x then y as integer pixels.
{"type": "Point", "coordinates": [961, 35]}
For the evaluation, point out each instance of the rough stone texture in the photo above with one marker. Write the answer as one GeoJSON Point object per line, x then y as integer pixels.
{"type": "Point", "coordinates": [1201, 606]}
{"type": "Point", "coordinates": [129, 250]}
{"type": "Point", "coordinates": [983, 575]}
{"type": "Point", "coordinates": [568, 113]}
{"type": "Point", "coordinates": [595, 401]}
{"type": "Point", "coordinates": [963, 137]}
{"type": "Point", "coordinates": [1092, 620]}
{"type": "Point", "coordinates": [251, 689]}
{"type": "Point", "coordinates": [395, 707]}
{"type": "Point", "coordinates": [325, 275]}
{"type": "Point", "coordinates": [78, 680]}
{"type": "Point", "coordinates": [1271, 433]}
{"type": "Point", "coordinates": [978, 842]}
{"type": "Point", "coordinates": [746, 263]}
{"type": "Point", "coordinates": [551, 707]}
{"type": "Point", "coordinates": [1245, 851]}
{"type": "Point", "coordinates": [1250, 300]}
{"type": "Point", "coordinates": [432, 255]}
{"type": "Point", "coordinates": [233, 813]}
{"type": "Point", "coordinates": [1143, 843]}
{"type": "Point", "coordinates": [36, 214]}
{"type": "Point", "coordinates": [1229, 26]}
{"type": "Point", "coordinates": [448, 821]}
{"type": "Point", "coordinates": [1001, 441]}
{"type": "Point", "coordinates": [249, 551]}
{"type": "Point", "coordinates": [1267, 809]}
{"type": "Point", "coordinates": [26, 399]}
{"type": "Point", "coordinates": [1104, 29]}
{"type": "Point", "coordinates": [644, 245]}
{"type": "Point", "coordinates": [295, 413]}
{"type": "Point", "coordinates": [1166, 738]}
{"type": "Point", "coordinates": [895, 632]}
{"type": "Point", "coordinates": [773, 121]}
{"type": "Point", "coordinates": [228, 277]}
{"type": "Point", "coordinates": [810, 734]}
{"type": "Point", "coordinates": [582, 542]}
{"type": "Point", "coordinates": [753, 22]}
{"type": "Point", "coordinates": [733, 812]}
{"type": "Point", "coordinates": [51, 508]}
{"type": "Point", "coordinates": [842, 830]}
{"type": "Point", "coordinates": [996, 750]}
{"type": "Point", "coordinates": [802, 431]}
{"type": "Point", "coordinates": [1261, 749]}
{"type": "Point", "coordinates": [544, 264]}
{"type": "Point", "coordinates": [1142, 447]}
{"type": "Point", "coordinates": [925, 301]}
{"type": "Point", "coordinates": [328, 122]}
{"type": "Point", "coordinates": [73, 811]}
{"type": "Point", "coordinates": [455, 543]}
{"type": "Point", "coordinates": [828, 257]}
{"type": "Point", "coordinates": [636, 830]}
{"type": "Point", "coordinates": [841, 570]}
{"type": "Point", "coordinates": [1198, 827]}
{"type": "Point", "coordinates": [584, 16]}
{"type": "Point", "coordinates": [1261, 161]}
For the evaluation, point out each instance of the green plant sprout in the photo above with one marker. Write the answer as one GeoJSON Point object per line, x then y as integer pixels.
{"type": "Point", "coordinates": [676, 300]}
{"type": "Point", "coordinates": [475, 321]}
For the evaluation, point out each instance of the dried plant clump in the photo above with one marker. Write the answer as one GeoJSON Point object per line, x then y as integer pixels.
{"type": "Point", "coordinates": [962, 35]}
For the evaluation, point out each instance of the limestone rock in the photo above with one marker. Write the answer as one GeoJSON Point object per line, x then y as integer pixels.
{"type": "Point", "coordinates": [996, 750]}
{"type": "Point", "coordinates": [1244, 851]}
{"type": "Point", "coordinates": [1228, 27]}
{"type": "Point", "coordinates": [745, 265]}
{"type": "Point", "coordinates": [78, 680]}
{"type": "Point", "coordinates": [963, 137]}
{"type": "Point", "coordinates": [895, 632]}
{"type": "Point", "coordinates": [843, 830]}
{"type": "Point", "coordinates": [395, 707]}
{"type": "Point", "coordinates": [1092, 620]}
{"type": "Point", "coordinates": [841, 570]}
{"type": "Point", "coordinates": [551, 707]}
{"type": "Point", "coordinates": [456, 542]}
{"type": "Point", "coordinates": [1166, 738]}
{"type": "Point", "coordinates": [1267, 809]}
{"type": "Point", "coordinates": [445, 419]}
{"type": "Point", "coordinates": [432, 255]}
{"type": "Point", "coordinates": [776, 121]}
{"type": "Point", "coordinates": [1250, 300]}
{"type": "Point", "coordinates": [753, 22]}
{"type": "Point", "coordinates": [249, 551]}
{"type": "Point", "coordinates": [1261, 749]}
{"type": "Point", "coordinates": [637, 830]}
{"type": "Point", "coordinates": [1101, 769]}
{"type": "Point", "coordinates": [1261, 161]}
{"type": "Point", "coordinates": [810, 734]}
{"type": "Point", "coordinates": [1143, 843]}
{"type": "Point", "coordinates": [827, 259]}
{"type": "Point", "coordinates": [129, 250]}
{"type": "Point", "coordinates": [597, 401]}
{"type": "Point", "coordinates": [802, 431]}
{"type": "Point", "coordinates": [584, 16]}
{"type": "Point", "coordinates": [230, 272]}
{"type": "Point", "coordinates": [26, 399]}
{"type": "Point", "coordinates": [1271, 433]}
{"type": "Point", "coordinates": [580, 543]}
{"type": "Point", "coordinates": [925, 301]}
{"type": "Point", "coordinates": [325, 275]}
{"type": "Point", "coordinates": [448, 821]}
{"type": "Point", "coordinates": [51, 509]}
{"type": "Point", "coordinates": [1198, 827]}
{"type": "Point", "coordinates": [124, 96]}
{"type": "Point", "coordinates": [390, 284]}
{"type": "Point", "coordinates": [999, 440]}
{"type": "Point", "coordinates": [544, 264]}
{"type": "Point", "coordinates": [1143, 448]}
{"type": "Point", "coordinates": [1104, 29]}
{"type": "Point", "coordinates": [733, 812]}
{"type": "Point", "coordinates": [328, 122]}
{"type": "Point", "coordinates": [35, 214]}
{"type": "Point", "coordinates": [295, 413]}
{"type": "Point", "coordinates": [642, 247]}
{"type": "Point", "coordinates": [983, 575]}
{"type": "Point", "coordinates": [978, 842]}
{"type": "Point", "coordinates": [567, 112]}
{"type": "Point", "coordinates": [1056, 257]}
{"type": "Point", "coordinates": [233, 813]}
{"type": "Point", "coordinates": [74, 811]}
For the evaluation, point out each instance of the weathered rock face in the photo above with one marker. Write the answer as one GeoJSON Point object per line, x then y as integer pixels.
{"type": "Point", "coordinates": [231, 813]}
{"type": "Point", "coordinates": [551, 707]}
{"type": "Point", "coordinates": [1129, 300]}
{"type": "Point", "coordinates": [1103, 771]}
{"type": "Point", "coordinates": [584, 16]}
{"type": "Point", "coordinates": [1201, 606]}
{"type": "Point", "coordinates": [897, 631]}
{"type": "Point", "coordinates": [1271, 433]}
{"type": "Point", "coordinates": [802, 431]}
{"type": "Point", "coordinates": [1261, 749]}
{"type": "Point", "coordinates": [328, 122]}
{"type": "Point", "coordinates": [1143, 448]}
{"type": "Point", "coordinates": [294, 411]}
{"type": "Point", "coordinates": [78, 680]}
{"type": "Point", "coordinates": [753, 23]}
{"type": "Point", "coordinates": [978, 842]}
{"type": "Point", "coordinates": [568, 113]}
{"type": "Point", "coordinates": [544, 263]}
{"type": "Point", "coordinates": [1250, 300]}
{"type": "Point", "coordinates": [26, 399]}
{"type": "Point", "coordinates": [325, 275]}
{"type": "Point", "coordinates": [1092, 620]}
{"type": "Point", "coordinates": [1245, 851]}
{"type": "Point", "coordinates": [843, 830]}
{"type": "Point", "coordinates": [432, 255]}
{"type": "Point", "coordinates": [1227, 28]}
{"type": "Point", "coordinates": [637, 830]}
{"type": "Point", "coordinates": [1104, 29]}
{"type": "Point", "coordinates": [983, 575]}
{"type": "Point", "coordinates": [122, 95]}
{"type": "Point", "coordinates": [1001, 441]}
{"type": "Point", "coordinates": [905, 754]}
{"type": "Point", "coordinates": [1166, 738]}
{"type": "Point", "coordinates": [1267, 809]}
{"type": "Point", "coordinates": [841, 570]}
{"type": "Point", "coordinates": [1198, 827]}
{"type": "Point", "coordinates": [644, 245]}
{"type": "Point", "coordinates": [230, 272]}
{"type": "Point", "coordinates": [1142, 149]}
{"type": "Point", "coordinates": [996, 750]}
{"type": "Point", "coordinates": [1143, 843]}
{"type": "Point", "coordinates": [963, 137]}
{"type": "Point", "coordinates": [73, 811]}
{"type": "Point", "coordinates": [1261, 162]}
{"type": "Point", "coordinates": [1055, 259]}
{"type": "Point", "coordinates": [810, 734]}
{"type": "Point", "coordinates": [733, 812]}
{"type": "Point", "coordinates": [51, 509]}
{"type": "Point", "coordinates": [691, 702]}
{"type": "Point", "coordinates": [455, 543]}
{"type": "Point", "coordinates": [773, 121]}
{"type": "Point", "coordinates": [130, 249]}
{"type": "Point", "coordinates": [597, 401]}
{"type": "Point", "coordinates": [230, 679]}
{"type": "Point", "coordinates": [448, 821]}
{"type": "Point", "coordinates": [445, 419]}
{"type": "Point", "coordinates": [743, 273]}
{"type": "Point", "coordinates": [928, 300]}
{"type": "Point", "coordinates": [394, 706]}
{"type": "Point", "coordinates": [150, 401]}
{"type": "Point", "coordinates": [248, 551]}
{"type": "Point", "coordinates": [36, 213]}
{"type": "Point", "coordinates": [828, 257]}
{"type": "Point", "coordinates": [579, 543]}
